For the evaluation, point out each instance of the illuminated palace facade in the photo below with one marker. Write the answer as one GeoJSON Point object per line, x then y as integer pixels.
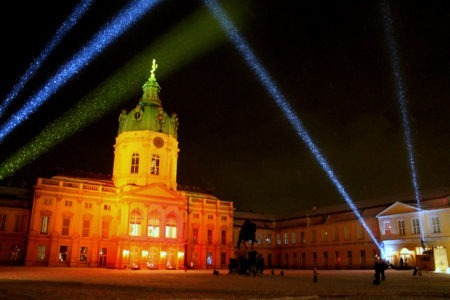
{"type": "Point", "coordinates": [138, 219]}
{"type": "Point", "coordinates": [332, 237]}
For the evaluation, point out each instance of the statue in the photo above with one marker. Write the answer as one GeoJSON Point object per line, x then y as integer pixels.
{"type": "Point", "coordinates": [247, 233]}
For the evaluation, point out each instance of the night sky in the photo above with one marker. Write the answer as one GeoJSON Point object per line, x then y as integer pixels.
{"type": "Point", "coordinates": [330, 60]}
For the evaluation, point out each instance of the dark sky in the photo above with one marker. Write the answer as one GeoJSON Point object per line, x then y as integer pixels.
{"type": "Point", "coordinates": [329, 59]}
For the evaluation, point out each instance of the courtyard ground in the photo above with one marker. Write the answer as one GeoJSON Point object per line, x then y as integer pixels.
{"type": "Point", "coordinates": [96, 283]}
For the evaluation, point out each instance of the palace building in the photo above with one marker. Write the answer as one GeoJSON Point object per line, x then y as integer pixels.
{"type": "Point", "coordinates": [137, 219]}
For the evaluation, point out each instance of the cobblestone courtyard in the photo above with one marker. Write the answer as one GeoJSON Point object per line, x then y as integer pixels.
{"type": "Point", "coordinates": [93, 283]}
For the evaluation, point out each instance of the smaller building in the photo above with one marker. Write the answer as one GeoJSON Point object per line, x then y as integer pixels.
{"type": "Point", "coordinates": [15, 209]}
{"type": "Point", "coordinates": [411, 235]}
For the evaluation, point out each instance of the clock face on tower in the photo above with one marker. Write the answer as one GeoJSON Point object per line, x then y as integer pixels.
{"type": "Point", "coordinates": [158, 142]}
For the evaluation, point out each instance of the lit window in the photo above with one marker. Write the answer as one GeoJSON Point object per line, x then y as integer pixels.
{"type": "Point", "coordinates": [153, 225]}
{"type": "Point", "coordinates": [269, 239]}
{"type": "Point", "coordinates": [62, 253]}
{"type": "Point", "coordinates": [83, 253]}
{"type": "Point", "coordinates": [154, 169]}
{"type": "Point", "coordinates": [44, 224]}
{"type": "Point", "coordinates": [286, 238]}
{"type": "Point", "coordinates": [435, 224]}
{"type": "Point", "coordinates": [416, 226]}
{"type": "Point", "coordinates": [171, 227]}
{"type": "Point", "coordinates": [324, 236]}
{"type": "Point", "coordinates": [134, 163]}
{"type": "Point", "coordinates": [41, 253]}
{"type": "Point", "coordinates": [135, 223]}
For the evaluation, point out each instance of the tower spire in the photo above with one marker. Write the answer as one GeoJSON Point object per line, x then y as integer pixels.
{"type": "Point", "coordinates": [151, 88]}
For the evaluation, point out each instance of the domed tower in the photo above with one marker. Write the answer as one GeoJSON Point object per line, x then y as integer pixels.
{"type": "Point", "coordinates": [146, 149]}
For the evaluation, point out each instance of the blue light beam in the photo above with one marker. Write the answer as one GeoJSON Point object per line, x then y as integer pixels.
{"type": "Point", "coordinates": [401, 98]}
{"type": "Point", "coordinates": [113, 29]}
{"type": "Point", "coordinates": [68, 24]}
{"type": "Point", "coordinates": [269, 84]}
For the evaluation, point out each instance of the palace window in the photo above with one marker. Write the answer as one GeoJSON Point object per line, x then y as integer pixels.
{"type": "Point", "coordinates": [223, 237]}
{"type": "Point", "coordinates": [324, 236]}
{"type": "Point", "coordinates": [269, 239]}
{"type": "Point", "coordinates": [387, 228]}
{"type": "Point", "coordinates": [335, 234]}
{"type": "Point", "coordinates": [209, 237]}
{"type": "Point", "coordinates": [359, 232]}
{"type": "Point", "coordinates": [86, 225]}
{"type": "Point", "coordinates": [65, 226]}
{"type": "Point", "coordinates": [68, 203]}
{"type": "Point", "coordinates": [313, 236]}
{"type": "Point", "coordinates": [135, 223]}
{"type": "Point", "coordinates": [171, 227]}
{"type": "Point", "coordinates": [2, 222]}
{"type": "Point", "coordinates": [41, 253]}
{"type": "Point", "coordinates": [195, 235]}
{"type": "Point", "coordinates": [83, 253]}
{"type": "Point", "coordinates": [20, 221]}
{"type": "Point", "coordinates": [435, 224]}
{"type": "Point", "coordinates": [346, 232]}
{"type": "Point", "coordinates": [294, 238]}
{"type": "Point", "coordinates": [154, 169]}
{"type": "Point", "coordinates": [416, 226]}
{"type": "Point", "coordinates": [286, 238]}
{"type": "Point", "coordinates": [153, 225]}
{"type": "Point", "coordinates": [62, 253]}
{"type": "Point", "coordinates": [44, 224]}
{"type": "Point", "coordinates": [134, 163]}
{"type": "Point", "coordinates": [88, 205]}
{"type": "Point", "coordinates": [105, 229]}
{"type": "Point", "coordinates": [401, 227]}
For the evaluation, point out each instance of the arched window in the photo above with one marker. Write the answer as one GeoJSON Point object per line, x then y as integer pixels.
{"type": "Point", "coordinates": [171, 226]}
{"type": "Point", "coordinates": [153, 224]}
{"type": "Point", "coordinates": [154, 170]}
{"type": "Point", "coordinates": [134, 163]}
{"type": "Point", "coordinates": [135, 223]}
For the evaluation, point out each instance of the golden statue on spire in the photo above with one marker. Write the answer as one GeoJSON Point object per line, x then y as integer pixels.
{"type": "Point", "coordinates": [154, 67]}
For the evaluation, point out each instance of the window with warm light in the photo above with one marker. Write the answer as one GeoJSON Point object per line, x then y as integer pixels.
{"type": "Point", "coordinates": [154, 169]}
{"type": "Point", "coordinates": [41, 253]}
{"type": "Point", "coordinates": [135, 223]}
{"type": "Point", "coordinates": [44, 224]}
{"type": "Point", "coordinates": [134, 163]}
{"type": "Point", "coordinates": [153, 225]}
{"type": "Point", "coordinates": [171, 227]}
{"type": "Point", "coordinates": [387, 228]}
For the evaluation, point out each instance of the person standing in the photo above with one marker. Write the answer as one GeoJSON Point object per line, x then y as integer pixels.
{"type": "Point", "coordinates": [315, 274]}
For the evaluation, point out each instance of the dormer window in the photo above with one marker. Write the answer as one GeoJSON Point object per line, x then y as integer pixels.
{"type": "Point", "coordinates": [154, 170]}
{"type": "Point", "coordinates": [134, 163]}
